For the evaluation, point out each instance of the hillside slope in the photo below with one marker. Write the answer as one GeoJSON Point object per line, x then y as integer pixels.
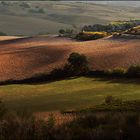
{"type": "Point", "coordinates": [24, 57]}
{"type": "Point", "coordinates": [29, 18]}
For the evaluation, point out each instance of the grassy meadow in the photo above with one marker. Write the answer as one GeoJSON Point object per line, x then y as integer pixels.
{"type": "Point", "coordinates": [74, 93]}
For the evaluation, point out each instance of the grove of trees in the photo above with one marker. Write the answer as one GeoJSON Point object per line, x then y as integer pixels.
{"type": "Point", "coordinates": [112, 27]}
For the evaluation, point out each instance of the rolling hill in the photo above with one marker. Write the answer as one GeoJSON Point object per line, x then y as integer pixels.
{"type": "Point", "coordinates": [24, 57]}
{"type": "Point", "coordinates": [29, 18]}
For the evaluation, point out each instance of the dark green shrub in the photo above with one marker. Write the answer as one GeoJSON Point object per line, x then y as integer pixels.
{"type": "Point", "coordinates": [24, 5]}
{"type": "Point", "coordinates": [57, 73]}
{"type": "Point", "coordinates": [2, 34]}
{"type": "Point", "coordinates": [61, 31]}
{"type": "Point", "coordinates": [85, 37]}
{"type": "Point", "coordinates": [109, 99]}
{"type": "Point", "coordinates": [112, 100]}
{"type": "Point", "coordinates": [134, 71]}
{"type": "Point", "coordinates": [66, 33]}
{"type": "Point", "coordinates": [118, 72]}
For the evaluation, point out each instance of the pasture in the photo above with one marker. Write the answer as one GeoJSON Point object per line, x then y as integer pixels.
{"type": "Point", "coordinates": [74, 93]}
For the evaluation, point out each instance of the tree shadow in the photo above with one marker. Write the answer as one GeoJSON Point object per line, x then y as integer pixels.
{"type": "Point", "coordinates": [121, 80]}
{"type": "Point", "coordinates": [44, 79]}
{"type": "Point", "coordinates": [34, 81]}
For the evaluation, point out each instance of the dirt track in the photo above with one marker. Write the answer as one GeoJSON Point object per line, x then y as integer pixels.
{"type": "Point", "coordinates": [24, 57]}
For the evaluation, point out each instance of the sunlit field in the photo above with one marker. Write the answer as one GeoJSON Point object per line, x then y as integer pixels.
{"type": "Point", "coordinates": [67, 94]}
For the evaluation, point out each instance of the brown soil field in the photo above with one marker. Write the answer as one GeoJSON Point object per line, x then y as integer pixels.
{"type": "Point", "coordinates": [24, 57]}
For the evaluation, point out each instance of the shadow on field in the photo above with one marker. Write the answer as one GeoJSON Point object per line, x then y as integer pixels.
{"type": "Point", "coordinates": [120, 80]}
{"type": "Point", "coordinates": [15, 40]}
{"type": "Point", "coordinates": [43, 79]}
{"type": "Point", "coordinates": [35, 81]}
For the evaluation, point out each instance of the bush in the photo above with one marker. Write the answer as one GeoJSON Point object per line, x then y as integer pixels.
{"type": "Point", "coordinates": [61, 32]}
{"type": "Point", "coordinates": [66, 33]}
{"type": "Point", "coordinates": [110, 100]}
{"type": "Point", "coordinates": [2, 34]}
{"type": "Point", "coordinates": [118, 72]}
{"type": "Point", "coordinates": [107, 126]}
{"type": "Point", "coordinates": [85, 36]}
{"type": "Point", "coordinates": [24, 5]}
{"type": "Point", "coordinates": [57, 73]}
{"type": "Point", "coordinates": [134, 71]}
{"type": "Point", "coordinates": [86, 125]}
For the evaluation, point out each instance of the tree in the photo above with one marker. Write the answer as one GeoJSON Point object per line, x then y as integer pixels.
{"type": "Point", "coordinates": [78, 63]}
{"type": "Point", "coordinates": [61, 31]}
{"type": "Point", "coordinates": [2, 34]}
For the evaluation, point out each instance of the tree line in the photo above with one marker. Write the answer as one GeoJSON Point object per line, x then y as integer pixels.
{"type": "Point", "coordinates": [112, 27]}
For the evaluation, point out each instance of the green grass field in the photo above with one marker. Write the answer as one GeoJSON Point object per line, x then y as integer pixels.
{"type": "Point", "coordinates": [67, 94]}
